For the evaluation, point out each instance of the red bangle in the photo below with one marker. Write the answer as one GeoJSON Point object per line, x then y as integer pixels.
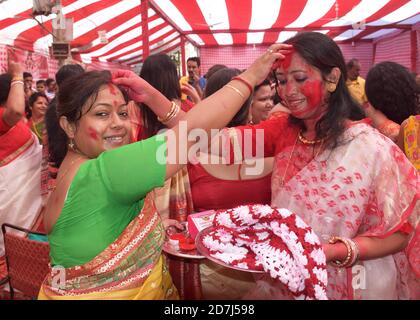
{"type": "Point", "coordinates": [244, 82]}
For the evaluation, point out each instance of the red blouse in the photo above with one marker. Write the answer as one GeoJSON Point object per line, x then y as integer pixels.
{"type": "Point", "coordinates": [210, 193]}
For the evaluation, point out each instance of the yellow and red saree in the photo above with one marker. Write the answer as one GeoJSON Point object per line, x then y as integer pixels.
{"type": "Point", "coordinates": [130, 268]}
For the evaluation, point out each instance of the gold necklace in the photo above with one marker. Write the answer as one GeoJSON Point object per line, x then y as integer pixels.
{"type": "Point", "coordinates": [306, 141]}
{"type": "Point", "coordinates": [288, 162]}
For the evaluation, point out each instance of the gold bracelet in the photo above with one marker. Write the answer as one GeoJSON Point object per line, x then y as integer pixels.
{"type": "Point", "coordinates": [345, 263]}
{"type": "Point", "coordinates": [171, 111]}
{"type": "Point", "coordinates": [236, 90]}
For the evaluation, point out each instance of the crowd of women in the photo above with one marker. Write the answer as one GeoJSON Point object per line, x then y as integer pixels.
{"type": "Point", "coordinates": [116, 193]}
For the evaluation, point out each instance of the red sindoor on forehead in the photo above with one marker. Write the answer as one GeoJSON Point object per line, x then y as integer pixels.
{"type": "Point", "coordinates": [288, 59]}
{"type": "Point", "coordinates": [112, 89]}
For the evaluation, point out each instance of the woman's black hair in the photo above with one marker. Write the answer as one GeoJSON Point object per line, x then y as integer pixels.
{"type": "Point", "coordinates": [266, 82]}
{"type": "Point", "coordinates": [73, 95]}
{"type": "Point", "coordinates": [391, 88]}
{"type": "Point", "coordinates": [160, 71]}
{"type": "Point", "coordinates": [217, 81]}
{"type": "Point", "coordinates": [323, 53]}
{"type": "Point", "coordinates": [213, 69]}
{"type": "Point", "coordinates": [5, 80]}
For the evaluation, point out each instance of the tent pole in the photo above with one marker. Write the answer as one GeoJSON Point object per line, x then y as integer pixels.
{"type": "Point", "coordinates": [184, 71]}
{"type": "Point", "coordinates": [145, 28]}
{"type": "Point", "coordinates": [414, 50]}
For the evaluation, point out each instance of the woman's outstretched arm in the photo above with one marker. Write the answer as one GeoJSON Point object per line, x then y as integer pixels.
{"type": "Point", "coordinates": [15, 104]}
{"type": "Point", "coordinates": [214, 112]}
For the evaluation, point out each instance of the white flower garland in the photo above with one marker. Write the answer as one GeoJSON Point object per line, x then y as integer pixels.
{"type": "Point", "coordinates": [277, 241]}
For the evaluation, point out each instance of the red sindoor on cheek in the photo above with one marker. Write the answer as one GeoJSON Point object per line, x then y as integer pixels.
{"type": "Point", "coordinates": [92, 133]}
{"type": "Point", "coordinates": [313, 93]}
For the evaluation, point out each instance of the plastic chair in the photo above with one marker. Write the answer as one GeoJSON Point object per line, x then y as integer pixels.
{"type": "Point", "coordinates": [27, 261]}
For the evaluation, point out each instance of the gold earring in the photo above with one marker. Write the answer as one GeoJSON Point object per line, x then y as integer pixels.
{"type": "Point", "coordinates": [331, 86]}
{"type": "Point", "coordinates": [71, 144]}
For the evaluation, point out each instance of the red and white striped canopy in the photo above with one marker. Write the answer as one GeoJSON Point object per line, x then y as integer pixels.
{"type": "Point", "coordinates": [202, 22]}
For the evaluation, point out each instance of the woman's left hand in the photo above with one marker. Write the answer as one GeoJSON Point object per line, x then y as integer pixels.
{"type": "Point", "coordinates": [14, 68]}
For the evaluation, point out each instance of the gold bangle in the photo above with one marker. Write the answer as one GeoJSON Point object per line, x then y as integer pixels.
{"type": "Point", "coordinates": [16, 82]}
{"type": "Point", "coordinates": [350, 253]}
{"type": "Point", "coordinates": [173, 115]}
{"type": "Point", "coordinates": [236, 90]}
{"type": "Point", "coordinates": [245, 82]}
{"type": "Point", "coordinates": [17, 79]}
{"type": "Point", "coordinates": [355, 252]}
{"type": "Point", "coordinates": [173, 107]}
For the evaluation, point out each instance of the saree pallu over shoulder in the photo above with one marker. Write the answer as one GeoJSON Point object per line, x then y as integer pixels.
{"type": "Point", "coordinates": [131, 267]}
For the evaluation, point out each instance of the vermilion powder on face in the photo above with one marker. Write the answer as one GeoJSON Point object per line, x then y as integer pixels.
{"type": "Point", "coordinates": [92, 133]}
{"type": "Point", "coordinates": [287, 60]}
{"type": "Point", "coordinates": [112, 89]}
{"type": "Point", "coordinates": [313, 92]}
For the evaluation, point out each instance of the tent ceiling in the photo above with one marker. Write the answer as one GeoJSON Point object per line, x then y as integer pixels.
{"type": "Point", "coordinates": [203, 22]}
